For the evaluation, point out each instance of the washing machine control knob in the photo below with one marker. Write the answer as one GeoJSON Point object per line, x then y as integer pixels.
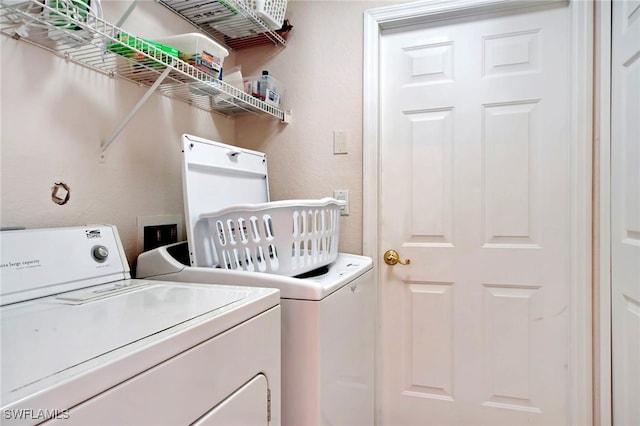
{"type": "Point", "coordinates": [100, 253]}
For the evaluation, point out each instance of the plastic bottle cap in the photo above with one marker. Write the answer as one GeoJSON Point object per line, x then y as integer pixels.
{"type": "Point", "coordinates": [265, 72]}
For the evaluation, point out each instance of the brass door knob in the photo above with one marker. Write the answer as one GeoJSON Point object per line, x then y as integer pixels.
{"type": "Point", "coordinates": [391, 257]}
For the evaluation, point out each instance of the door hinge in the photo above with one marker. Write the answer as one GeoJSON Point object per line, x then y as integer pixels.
{"type": "Point", "coordinates": [269, 405]}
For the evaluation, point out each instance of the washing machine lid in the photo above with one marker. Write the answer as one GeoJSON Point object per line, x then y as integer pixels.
{"type": "Point", "coordinates": [215, 176]}
{"type": "Point", "coordinates": [49, 341]}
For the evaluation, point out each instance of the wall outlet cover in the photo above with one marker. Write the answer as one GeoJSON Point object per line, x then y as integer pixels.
{"type": "Point", "coordinates": [160, 224]}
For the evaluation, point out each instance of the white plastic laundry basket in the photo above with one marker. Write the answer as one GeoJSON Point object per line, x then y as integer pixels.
{"type": "Point", "coordinates": [282, 237]}
{"type": "Point", "coordinates": [271, 11]}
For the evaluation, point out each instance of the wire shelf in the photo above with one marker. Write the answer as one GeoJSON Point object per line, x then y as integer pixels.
{"type": "Point", "coordinates": [99, 45]}
{"type": "Point", "coordinates": [224, 19]}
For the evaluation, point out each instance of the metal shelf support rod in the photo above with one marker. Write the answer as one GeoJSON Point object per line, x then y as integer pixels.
{"type": "Point", "coordinates": [135, 109]}
{"type": "Point", "coordinates": [126, 14]}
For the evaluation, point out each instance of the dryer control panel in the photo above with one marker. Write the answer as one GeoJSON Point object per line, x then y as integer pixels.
{"type": "Point", "coordinates": [42, 262]}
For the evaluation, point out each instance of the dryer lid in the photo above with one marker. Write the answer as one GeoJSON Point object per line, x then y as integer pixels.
{"type": "Point", "coordinates": [215, 176]}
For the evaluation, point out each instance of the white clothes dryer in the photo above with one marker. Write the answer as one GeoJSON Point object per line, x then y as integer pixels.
{"type": "Point", "coordinates": [83, 343]}
{"type": "Point", "coordinates": [328, 315]}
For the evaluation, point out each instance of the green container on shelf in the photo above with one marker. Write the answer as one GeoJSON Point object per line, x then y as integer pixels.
{"type": "Point", "coordinates": [142, 45]}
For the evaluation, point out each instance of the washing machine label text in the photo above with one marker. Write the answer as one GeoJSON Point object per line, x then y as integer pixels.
{"type": "Point", "coordinates": [31, 263]}
{"type": "Point", "coordinates": [31, 414]}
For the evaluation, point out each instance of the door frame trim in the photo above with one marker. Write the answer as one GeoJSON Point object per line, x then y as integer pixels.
{"type": "Point", "coordinates": [581, 170]}
{"type": "Point", "coordinates": [602, 218]}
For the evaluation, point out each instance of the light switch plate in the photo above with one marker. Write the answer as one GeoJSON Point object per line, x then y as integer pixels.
{"type": "Point", "coordinates": [340, 139]}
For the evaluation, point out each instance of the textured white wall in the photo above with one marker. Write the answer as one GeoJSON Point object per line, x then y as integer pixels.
{"type": "Point", "coordinates": [54, 114]}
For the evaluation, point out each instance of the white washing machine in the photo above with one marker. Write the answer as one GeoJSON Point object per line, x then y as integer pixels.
{"type": "Point", "coordinates": [328, 316]}
{"type": "Point", "coordinates": [82, 343]}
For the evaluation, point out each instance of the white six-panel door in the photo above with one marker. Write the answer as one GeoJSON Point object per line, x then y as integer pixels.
{"type": "Point", "coordinates": [475, 190]}
{"type": "Point", "coordinates": [625, 212]}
